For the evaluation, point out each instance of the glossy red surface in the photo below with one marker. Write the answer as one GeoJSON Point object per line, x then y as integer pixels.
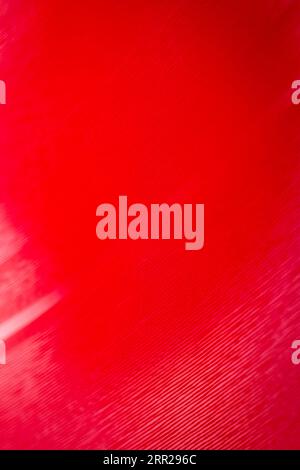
{"type": "Point", "coordinates": [148, 346]}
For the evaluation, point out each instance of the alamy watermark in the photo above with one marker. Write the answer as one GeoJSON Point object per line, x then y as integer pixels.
{"type": "Point", "coordinates": [2, 352]}
{"type": "Point", "coordinates": [296, 93]}
{"type": "Point", "coordinates": [2, 92]}
{"type": "Point", "coordinates": [160, 221]}
{"type": "Point", "coordinates": [295, 357]}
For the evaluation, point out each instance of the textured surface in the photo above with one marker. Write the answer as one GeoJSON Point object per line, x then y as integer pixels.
{"type": "Point", "coordinates": [150, 346]}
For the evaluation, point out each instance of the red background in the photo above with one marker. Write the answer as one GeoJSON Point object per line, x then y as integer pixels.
{"type": "Point", "coordinates": [151, 346]}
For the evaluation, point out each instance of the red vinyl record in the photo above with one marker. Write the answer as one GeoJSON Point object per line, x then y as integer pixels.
{"type": "Point", "coordinates": [149, 225]}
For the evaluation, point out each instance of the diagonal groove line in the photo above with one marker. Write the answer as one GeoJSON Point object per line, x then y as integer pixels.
{"type": "Point", "coordinates": [26, 316]}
